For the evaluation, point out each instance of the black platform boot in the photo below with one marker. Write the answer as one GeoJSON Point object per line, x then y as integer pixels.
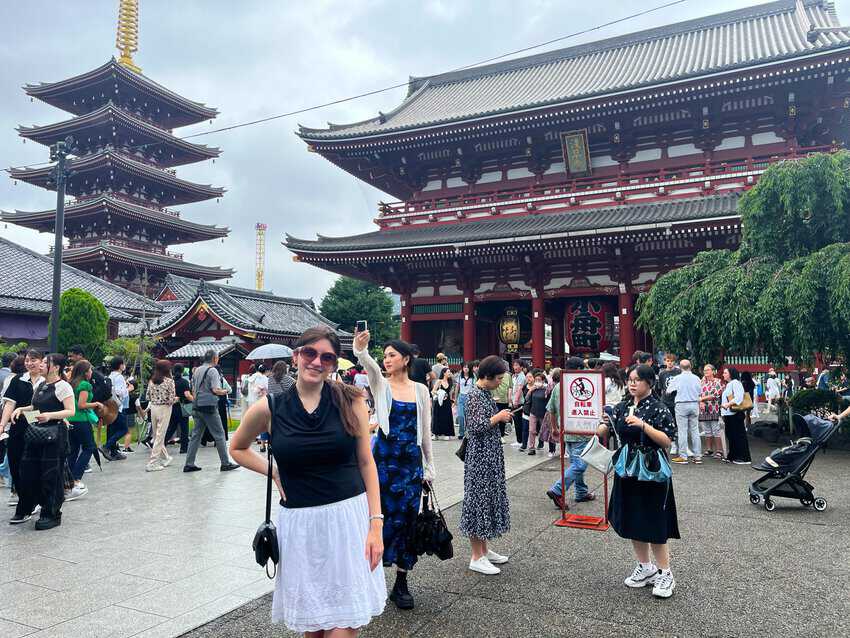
{"type": "Point", "coordinates": [400, 594]}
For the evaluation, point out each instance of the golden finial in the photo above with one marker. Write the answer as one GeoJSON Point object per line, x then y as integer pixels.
{"type": "Point", "coordinates": [127, 39]}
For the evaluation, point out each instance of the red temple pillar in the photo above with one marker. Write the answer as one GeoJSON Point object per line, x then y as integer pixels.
{"type": "Point", "coordinates": [468, 327]}
{"type": "Point", "coordinates": [538, 330]}
{"type": "Point", "coordinates": [627, 328]}
{"type": "Point", "coordinates": [558, 339]}
{"type": "Point", "coordinates": [406, 327]}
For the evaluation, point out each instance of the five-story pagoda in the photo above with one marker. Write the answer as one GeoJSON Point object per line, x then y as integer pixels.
{"type": "Point", "coordinates": [122, 175]}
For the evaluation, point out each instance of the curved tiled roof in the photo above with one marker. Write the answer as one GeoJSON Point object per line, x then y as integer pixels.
{"type": "Point", "coordinates": [27, 285]}
{"type": "Point", "coordinates": [44, 220]}
{"type": "Point", "coordinates": [527, 227]}
{"type": "Point", "coordinates": [141, 258]}
{"type": "Point", "coordinates": [733, 40]}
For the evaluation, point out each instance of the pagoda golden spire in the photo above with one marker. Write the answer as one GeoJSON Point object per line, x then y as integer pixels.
{"type": "Point", "coordinates": [127, 39]}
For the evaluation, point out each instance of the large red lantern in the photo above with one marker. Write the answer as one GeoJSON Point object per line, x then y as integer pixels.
{"type": "Point", "coordinates": [590, 325]}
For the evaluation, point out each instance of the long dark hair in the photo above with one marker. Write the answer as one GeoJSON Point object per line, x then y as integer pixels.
{"type": "Point", "coordinates": [611, 372]}
{"type": "Point", "coordinates": [78, 373]}
{"type": "Point", "coordinates": [161, 371]}
{"type": "Point", "coordinates": [404, 349]}
{"type": "Point", "coordinates": [343, 396]}
{"type": "Point", "coordinates": [279, 371]}
{"type": "Point", "coordinates": [466, 365]}
{"type": "Point", "coordinates": [58, 360]}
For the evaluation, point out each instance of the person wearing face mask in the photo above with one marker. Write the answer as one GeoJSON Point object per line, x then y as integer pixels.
{"type": "Point", "coordinates": [329, 581]}
{"type": "Point", "coordinates": [402, 451]}
{"type": "Point", "coordinates": [41, 472]}
{"type": "Point", "coordinates": [19, 391]}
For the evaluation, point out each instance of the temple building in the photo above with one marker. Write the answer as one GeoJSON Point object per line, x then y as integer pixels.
{"type": "Point", "coordinates": [121, 223]}
{"type": "Point", "coordinates": [542, 194]}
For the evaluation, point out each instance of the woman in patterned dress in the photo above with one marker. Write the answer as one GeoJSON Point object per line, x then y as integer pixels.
{"type": "Point", "coordinates": [709, 412]}
{"type": "Point", "coordinates": [402, 451]}
{"type": "Point", "coordinates": [485, 512]}
{"type": "Point", "coordinates": [644, 511]}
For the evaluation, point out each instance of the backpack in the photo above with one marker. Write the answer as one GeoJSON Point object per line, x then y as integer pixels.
{"type": "Point", "coordinates": [101, 387]}
{"type": "Point", "coordinates": [244, 388]}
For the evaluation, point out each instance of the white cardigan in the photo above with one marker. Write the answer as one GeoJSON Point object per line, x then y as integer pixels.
{"type": "Point", "coordinates": [382, 394]}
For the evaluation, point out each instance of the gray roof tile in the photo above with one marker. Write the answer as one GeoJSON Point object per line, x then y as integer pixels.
{"type": "Point", "coordinates": [527, 226]}
{"type": "Point", "coordinates": [735, 39]}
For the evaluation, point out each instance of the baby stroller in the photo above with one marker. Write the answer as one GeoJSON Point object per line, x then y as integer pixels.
{"type": "Point", "coordinates": [785, 469]}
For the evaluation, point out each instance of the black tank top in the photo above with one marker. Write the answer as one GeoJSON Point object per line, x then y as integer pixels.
{"type": "Point", "coordinates": [316, 457]}
{"type": "Point", "coordinates": [44, 399]}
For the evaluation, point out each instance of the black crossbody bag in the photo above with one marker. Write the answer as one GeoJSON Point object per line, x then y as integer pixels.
{"type": "Point", "coordinates": [265, 543]}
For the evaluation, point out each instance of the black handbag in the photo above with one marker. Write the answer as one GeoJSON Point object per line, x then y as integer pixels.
{"type": "Point", "coordinates": [461, 451]}
{"type": "Point", "coordinates": [265, 543]}
{"type": "Point", "coordinates": [431, 535]}
{"type": "Point", "coordinates": [39, 435]}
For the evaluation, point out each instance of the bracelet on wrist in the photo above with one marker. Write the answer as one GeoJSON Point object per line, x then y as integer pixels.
{"type": "Point", "coordinates": [376, 517]}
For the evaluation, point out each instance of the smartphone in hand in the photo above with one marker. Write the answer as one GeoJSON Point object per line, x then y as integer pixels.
{"type": "Point", "coordinates": [362, 326]}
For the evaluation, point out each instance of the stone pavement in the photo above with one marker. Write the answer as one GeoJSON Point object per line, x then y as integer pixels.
{"type": "Point", "coordinates": [741, 571]}
{"type": "Point", "coordinates": [152, 555]}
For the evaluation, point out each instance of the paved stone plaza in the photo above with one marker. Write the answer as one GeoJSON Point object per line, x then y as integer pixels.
{"type": "Point", "coordinates": [740, 570]}
{"type": "Point", "coordinates": [152, 555]}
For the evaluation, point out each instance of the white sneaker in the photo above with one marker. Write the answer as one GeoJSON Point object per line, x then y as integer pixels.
{"type": "Point", "coordinates": [515, 444]}
{"type": "Point", "coordinates": [154, 467]}
{"type": "Point", "coordinates": [87, 470]}
{"type": "Point", "coordinates": [484, 566]}
{"type": "Point", "coordinates": [551, 455]}
{"type": "Point", "coordinates": [77, 492]}
{"type": "Point", "coordinates": [642, 576]}
{"type": "Point", "coordinates": [167, 461]}
{"type": "Point", "coordinates": [496, 559]}
{"type": "Point", "coordinates": [664, 584]}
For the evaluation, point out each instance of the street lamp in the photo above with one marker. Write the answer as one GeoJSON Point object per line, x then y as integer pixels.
{"type": "Point", "coordinates": [58, 153]}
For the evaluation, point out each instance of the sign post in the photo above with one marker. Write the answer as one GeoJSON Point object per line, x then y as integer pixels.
{"type": "Point", "coordinates": [582, 407]}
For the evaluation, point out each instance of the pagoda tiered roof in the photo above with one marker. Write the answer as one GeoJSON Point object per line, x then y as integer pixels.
{"type": "Point", "coordinates": [163, 186]}
{"type": "Point", "coordinates": [89, 211]}
{"type": "Point", "coordinates": [113, 252]}
{"type": "Point", "coordinates": [112, 127]}
{"type": "Point", "coordinates": [114, 82]}
{"type": "Point", "coordinates": [616, 71]}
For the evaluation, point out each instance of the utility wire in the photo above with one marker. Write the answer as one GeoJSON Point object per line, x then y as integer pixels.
{"type": "Point", "coordinates": [359, 96]}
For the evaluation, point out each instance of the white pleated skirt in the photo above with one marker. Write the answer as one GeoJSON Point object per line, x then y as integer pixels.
{"type": "Point", "coordinates": [323, 580]}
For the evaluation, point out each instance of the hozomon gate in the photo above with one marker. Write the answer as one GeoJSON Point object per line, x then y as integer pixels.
{"type": "Point", "coordinates": [553, 189]}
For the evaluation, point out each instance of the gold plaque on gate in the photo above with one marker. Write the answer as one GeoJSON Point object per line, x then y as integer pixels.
{"type": "Point", "coordinates": [576, 151]}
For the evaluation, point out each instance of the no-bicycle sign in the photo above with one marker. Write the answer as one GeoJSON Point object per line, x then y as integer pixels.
{"type": "Point", "coordinates": [582, 400]}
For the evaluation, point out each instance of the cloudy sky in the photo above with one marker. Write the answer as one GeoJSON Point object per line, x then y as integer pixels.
{"type": "Point", "coordinates": [255, 58]}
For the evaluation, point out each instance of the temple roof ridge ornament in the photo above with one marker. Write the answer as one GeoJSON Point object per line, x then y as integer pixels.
{"type": "Point", "coordinates": [689, 50]}
{"type": "Point", "coordinates": [127, 36]}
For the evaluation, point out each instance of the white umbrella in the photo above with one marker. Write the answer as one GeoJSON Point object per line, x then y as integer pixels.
{"type": "Point", "coordinates": [270, 351]}
{"type": "Point", "coordinates": [605, 356]}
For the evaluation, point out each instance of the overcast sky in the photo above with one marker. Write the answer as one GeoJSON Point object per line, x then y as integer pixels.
{"type": "Point", "coordinates": [255, 58]}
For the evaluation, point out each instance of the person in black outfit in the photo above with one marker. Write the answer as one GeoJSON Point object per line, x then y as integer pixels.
{"type": "Point", "coordinates": [536, 399]}
{"type": "Point", "coordinates": [644, 511]}
{"type": "Point", "coordinates": [43, 464]}
{"type": "Point", "coordinates": [419, 367]}
{"type": "Point", "coordinates": [179, 417]}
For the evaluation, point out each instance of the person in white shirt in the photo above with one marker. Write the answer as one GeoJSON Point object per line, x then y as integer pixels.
{"type": "Point", "coordinates": [773, 388]}
{"type": "Point", "coordinates": [687, 389]}
{"type": "Point", "coordinates": [258, 385]}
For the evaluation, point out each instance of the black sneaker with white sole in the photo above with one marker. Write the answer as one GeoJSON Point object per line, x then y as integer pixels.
{"type": "Point", "coordinates": [17, 519]}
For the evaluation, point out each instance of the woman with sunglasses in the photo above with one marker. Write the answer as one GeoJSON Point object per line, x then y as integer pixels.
{"type": "Point", "coordinates": [402, 452]}
{"type": "Point", "coordinates": [329, 582]}
{"type": "Point", "coordinates": [644, 511]}
{"type": "Point", "coordinates": [42, 476]}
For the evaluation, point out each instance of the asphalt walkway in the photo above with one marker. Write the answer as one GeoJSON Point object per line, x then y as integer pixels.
{"type": "Point", "coordinates": [740, 570]}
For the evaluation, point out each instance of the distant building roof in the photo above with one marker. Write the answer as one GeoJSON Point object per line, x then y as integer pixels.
{"type": "Point", "coordinates": [142, 259]}
{"type": "Point", "coordinates": [697, 48]}
{"type": "Point", "coordinates": [253, 311]}
{"type": "Point", "coordinates": [528, 227]}
{"type": "Point", "coordinates": [197, 349]}
{"type": "Point", "coordinates": [26, 285]}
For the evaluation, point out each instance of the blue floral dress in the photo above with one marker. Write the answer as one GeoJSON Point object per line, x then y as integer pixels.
{"type": "Point", "coordinates": [399, 461]}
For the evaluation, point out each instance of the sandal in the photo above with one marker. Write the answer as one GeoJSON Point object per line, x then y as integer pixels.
{"type": "Point", "coordinates": [718, 455]}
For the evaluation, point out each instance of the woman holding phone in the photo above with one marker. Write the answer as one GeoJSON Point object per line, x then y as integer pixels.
{"type": "Point", "coordinates": [329, 581]}
{"type": "Point", "coordinates": [402, 450]}
{"type": "Point", "coordinates": [644, 511]}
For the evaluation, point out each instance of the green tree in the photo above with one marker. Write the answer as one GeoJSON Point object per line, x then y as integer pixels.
{"type": "Point", "coordinates": [82, 321]}
{"type": "Point", "coordinates": [130, 348]}
{"type": "Point", "coordinates": [350, 300]}
{"type": "Point", "coordinates": [785, 291]}
{"type": "Point", "coordinates": [13, 347]}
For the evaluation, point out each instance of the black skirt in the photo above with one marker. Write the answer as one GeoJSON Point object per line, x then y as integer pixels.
{"type": "Point", "coordinates": [643, 511]}
{"type": "Point", "coordinates": [443, 421]}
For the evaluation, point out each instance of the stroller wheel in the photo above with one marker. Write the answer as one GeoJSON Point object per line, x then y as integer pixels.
{"type": "Point", "coordinates": [820, 504]}
{"type": "Point", "coordinates": [754, 499]}
{"type": "Point", "coordinates": [769, 505]}
{"type": "Point", "coordinates": [806, 502]}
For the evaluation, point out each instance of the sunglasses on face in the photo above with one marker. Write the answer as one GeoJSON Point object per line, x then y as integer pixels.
{"type": "Point", "coordinates": [309, 354]}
